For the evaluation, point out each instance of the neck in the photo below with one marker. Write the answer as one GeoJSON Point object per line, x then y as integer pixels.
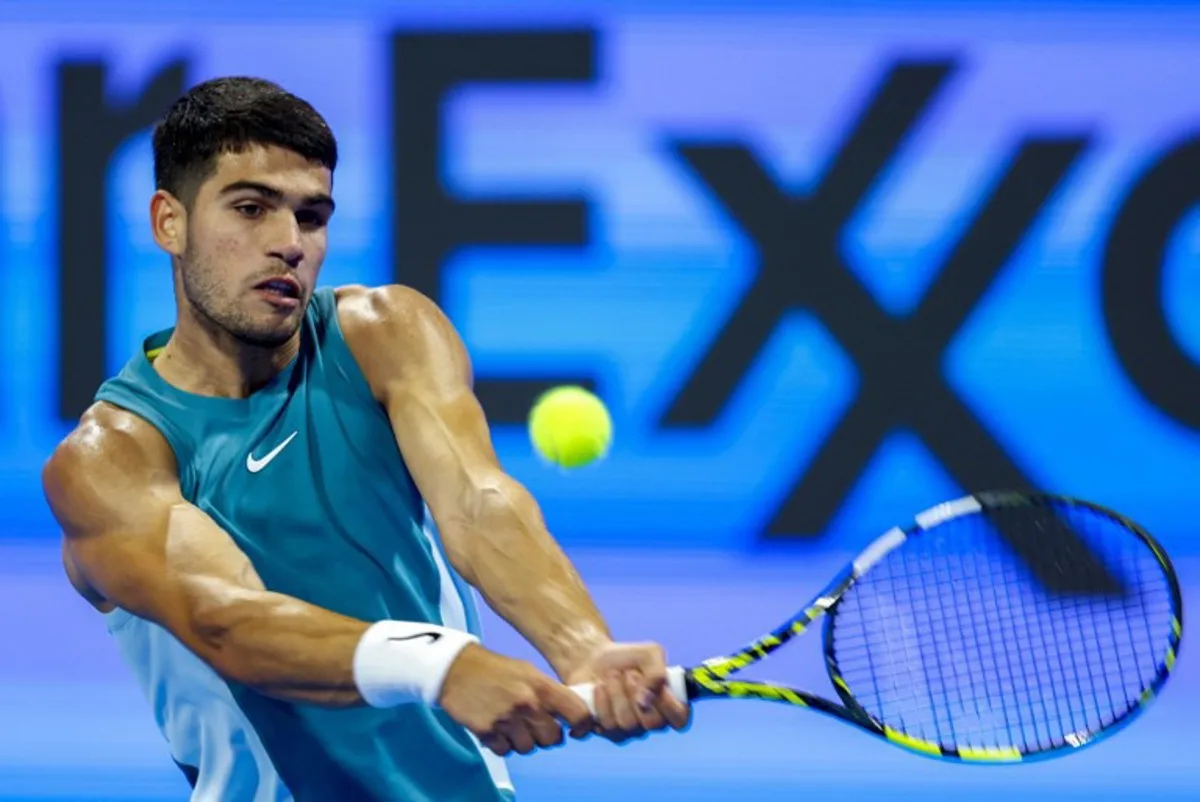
{"type": "Point", "coordinates": [204, 359]}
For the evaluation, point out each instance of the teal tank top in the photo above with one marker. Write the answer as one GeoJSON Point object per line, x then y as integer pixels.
{"type": "Point", "coordinates": [305, 475]}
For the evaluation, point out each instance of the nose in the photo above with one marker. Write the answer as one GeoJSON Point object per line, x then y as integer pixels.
{"type": "Point", "coordinates": [287, 245]}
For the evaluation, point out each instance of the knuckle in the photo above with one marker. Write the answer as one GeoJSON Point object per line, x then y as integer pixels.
{"type": "Point", "coordinates": [481, 725]}
{"type": "Point", "coordinates": [498, 745]}
{"type": "Point", "coordinates": [540, 687]}
{"type": "Point", "coordinates": [550, 736]}
{"type": "Point", "coordinates": [525, 700]}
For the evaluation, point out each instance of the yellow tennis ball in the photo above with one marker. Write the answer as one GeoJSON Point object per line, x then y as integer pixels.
{"type": "Point", "coordinates": [570, 426]}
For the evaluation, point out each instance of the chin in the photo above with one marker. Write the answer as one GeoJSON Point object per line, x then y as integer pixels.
{"type": "Point", "coordinates": [269, 331]}
{"type": "Point", "coordinates": [262, 339]}
{"type": "Point", "coordinates": [267, 336]}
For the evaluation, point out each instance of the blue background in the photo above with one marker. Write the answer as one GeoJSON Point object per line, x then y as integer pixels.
{"type": "Point", "coordinates": [665, 529]}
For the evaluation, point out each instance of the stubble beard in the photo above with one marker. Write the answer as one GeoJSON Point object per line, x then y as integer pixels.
{"type": "Point", "coordinates": [213, 303]}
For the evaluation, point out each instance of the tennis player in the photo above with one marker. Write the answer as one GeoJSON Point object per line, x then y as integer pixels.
{"type": "Point", "coordinates": [280, 505]}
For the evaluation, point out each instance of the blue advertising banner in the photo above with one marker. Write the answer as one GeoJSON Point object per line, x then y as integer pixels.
{"type": "Point", "coordinates": [828, 266]}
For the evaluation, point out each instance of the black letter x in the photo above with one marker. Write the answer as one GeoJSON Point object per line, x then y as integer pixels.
{"type": "Point", "coordinates": [899, 359]}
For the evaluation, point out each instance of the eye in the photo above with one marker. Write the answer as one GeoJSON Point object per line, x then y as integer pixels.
{"type": "Point", "coordinates": [308, 218]}
{"type": "Point", "coordinates": [250, 210]}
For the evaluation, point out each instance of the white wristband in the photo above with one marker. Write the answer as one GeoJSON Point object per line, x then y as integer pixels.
{"type": "Point", "coordinates": [401, 662]}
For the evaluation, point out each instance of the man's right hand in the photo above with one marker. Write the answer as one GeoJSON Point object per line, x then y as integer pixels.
{"type": "Point", "coordinates": [510, 705]}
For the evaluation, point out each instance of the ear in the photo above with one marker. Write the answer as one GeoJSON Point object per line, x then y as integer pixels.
{"type": "Point", "coordinates": [168, 222]}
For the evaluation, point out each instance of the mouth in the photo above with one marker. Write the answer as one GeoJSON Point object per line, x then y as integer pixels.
{"type": "Point", "coordinates": [282, 291]}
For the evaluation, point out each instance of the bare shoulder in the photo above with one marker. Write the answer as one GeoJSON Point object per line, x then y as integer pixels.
{"type": "Point", "coordinates": [386, 306]}
{"type": "Point", "coordinates": [107, 456]}
{"type": "Point", "coordinates": [97, 475]}
{"type": "Point", "coordinates": [395, 331]}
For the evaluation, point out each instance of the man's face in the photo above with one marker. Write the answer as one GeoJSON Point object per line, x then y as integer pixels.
{"type": "Point", "coordinates": [256, 239]}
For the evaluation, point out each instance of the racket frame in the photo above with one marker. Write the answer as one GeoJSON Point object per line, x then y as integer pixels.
{"type": "Point", "coordinates": [710, 679]}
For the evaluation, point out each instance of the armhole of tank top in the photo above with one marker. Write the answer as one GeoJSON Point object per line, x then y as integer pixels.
{"type": "Point", "coordinates": [341, 352]}
{"type": "Point", "coordinates": [117, 619]}
{"type": "Point", "coordinates": [165, 431]}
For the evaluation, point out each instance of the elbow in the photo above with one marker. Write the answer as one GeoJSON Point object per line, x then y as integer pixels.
{"type": "Point", "coordinates": [498, 502]}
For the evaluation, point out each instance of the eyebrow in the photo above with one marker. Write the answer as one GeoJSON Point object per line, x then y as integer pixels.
{"type": "Point", "coordinates": [267, 191]}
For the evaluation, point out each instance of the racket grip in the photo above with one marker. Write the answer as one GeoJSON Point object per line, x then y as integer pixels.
{"type": "Point", "coordinates": [675, 682]}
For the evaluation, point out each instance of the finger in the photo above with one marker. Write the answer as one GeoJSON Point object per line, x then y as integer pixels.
{"type": "Point", "coordinates": [649, 718]}
{"type": "Point", "coordinates": [519, 736]}
{"type": "Point", "coordinates": [652, 665]}
{"type": "Point", "coordinates": [602, 703]}
{"type": "Point", "coordinates": [677, 713]}
{"type": "Point", "coordinates": [547, 731]}
{"type": "Point", "coordinates": [642, 690]}
{"type": "Point", "coordinates": [624, 717]}
{"type": "Point", "coordinates": [497, 743]}
{"type": "Point", "coordinates": [559, 700]}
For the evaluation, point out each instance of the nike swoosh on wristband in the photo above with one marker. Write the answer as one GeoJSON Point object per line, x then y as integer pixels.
{"type": "Point", "coordinates": [255, 465]}
{"type": "Point", "coordinates": [433, 636]}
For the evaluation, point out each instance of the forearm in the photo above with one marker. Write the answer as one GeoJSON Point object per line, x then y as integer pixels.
{"type": "Point", "coordinates": [506, 552]}
{"type": "Point", "coordinates": [282, 647]}
{"type": "Point", "coordinates": [288, 649]}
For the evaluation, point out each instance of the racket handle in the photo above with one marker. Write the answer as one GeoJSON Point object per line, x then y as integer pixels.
{"type": "Point", "coordinates": [675, 682]}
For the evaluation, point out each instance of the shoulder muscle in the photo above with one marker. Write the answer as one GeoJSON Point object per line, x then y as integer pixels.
{"type": "Point", "coordinates": [399, 335]}
{"type": "Point", "coordinates": [128, 533]}
{"type": "Point", "coordinates": [110, 456]}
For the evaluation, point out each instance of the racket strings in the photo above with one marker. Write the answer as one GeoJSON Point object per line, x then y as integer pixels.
{"type": "Point", "coordinates": [952, 639]}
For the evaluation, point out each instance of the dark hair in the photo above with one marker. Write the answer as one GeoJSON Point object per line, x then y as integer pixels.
{"type": "Point", "coordinates": [230, 115]}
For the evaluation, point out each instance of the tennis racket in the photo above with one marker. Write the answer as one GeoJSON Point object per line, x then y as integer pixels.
{"type": "Point", "coordinates": [997, 628]}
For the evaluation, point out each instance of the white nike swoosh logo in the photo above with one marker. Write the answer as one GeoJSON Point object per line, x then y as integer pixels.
{"type": "Point", "coordinates": [255, 465]}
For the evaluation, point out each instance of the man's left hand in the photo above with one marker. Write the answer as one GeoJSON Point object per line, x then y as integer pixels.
{"type": "Point", "coordinates": [632, 697]}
